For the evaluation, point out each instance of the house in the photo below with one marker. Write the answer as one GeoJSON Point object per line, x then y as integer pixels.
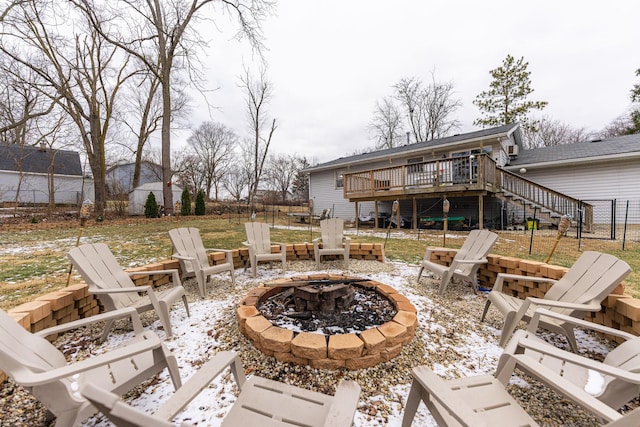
{"type": "Point", "coordinates": [119, 178]}
{"type": "Point", "coordinates": [480, 175]}
{"type": "Point", "coordinates": [27, 170]}
{"type": "Point", "coordinates": [602, 172]}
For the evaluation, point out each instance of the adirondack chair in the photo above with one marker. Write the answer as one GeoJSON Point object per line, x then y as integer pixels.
{"type": "Point", "coordinates": [38, 366]}
{"type": "Point", "coordinates": [261, 402]}
{"type": "Point", "coordinates": [614, 381]}
{"type": "Point", "coordinates": [591, 278]}
{"type": "Point", "coordinates": [483, 401]}
{"type": "Point", "coordinates": [115, 289]}
{"type": "Point", "coordinates": [333, 241]}
{"type": "Point", "coordinates": [466, 262]}
{"type": "Point", "coordinates": [193, 257]}
{"type": "Point", "coordinates": [259, 244]}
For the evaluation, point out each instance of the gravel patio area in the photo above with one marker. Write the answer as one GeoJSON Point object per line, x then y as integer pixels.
{"type": "Point", "coordinates": [450, 340]}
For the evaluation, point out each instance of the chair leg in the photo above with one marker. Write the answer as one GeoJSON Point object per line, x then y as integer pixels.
{"type": "Point", "coordinates": [508, 327]}
{"type": "Point", "coordinates": [419, 274]}
{"type": "Point", "coordinates": [486, 308]}
{"type": "Point", "coordinates": [233, 276]}
{"type": "Point", "coordinates": [446, 278]}
{"type": "Point", "coordinates": [571, 337]}
{"type": "Point", "coordinates": [346, 262]}
{"type": "Point", "coordinates": [107, 328]}
{"type": "Point", "coordinates": [163, 314]}
{"type": "Point", "coordinates": [413, 401]}
{"type": "Point", "coordinates": [317, 256]}
{"type": "Point", "coordinates": [186, 305]}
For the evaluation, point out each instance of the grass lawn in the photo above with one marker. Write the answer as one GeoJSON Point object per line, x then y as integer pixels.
{"type": "Point", "coordinates": [33, 261]}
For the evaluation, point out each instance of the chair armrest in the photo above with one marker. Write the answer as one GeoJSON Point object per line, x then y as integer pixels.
{"type": "Point", "coordinates": [497, 286]}
{"type": "Point", "coordinates": [317, 240]}
{"type": "Point", "coordinates": [197, 382]}
{"type": "Point", "coordinates": [539, 346]}
{"type": "Point", "coordinates": [149, 342]}
{"type": "Point", "coordinates": [226, 251]}
{"type": "Point", "coordinates": [427, 254]}
{"type": "Point", "coordinates": [343, 405]}
{"type": "Point", "coordinates": [188, 258]}
{"type": "Point", "coordinates": [145, 288]}
{"type": "Point", "coordinates": [471, 261]}
{"type": "Point", "coordinates": [511, 361]}
{"type": "Point", "coordinates": [535, 319]}
{"type": "Point", "coordinates": [346, 239]}
{"type": "Point", "coordinates": [593, 306]}
{"type": "Point", "coordinates": [248, 244]}
{"type": "Point", "coordinates": [109, 315]}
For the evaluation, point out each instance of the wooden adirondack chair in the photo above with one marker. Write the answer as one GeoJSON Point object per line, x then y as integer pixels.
{"type": "Point", "coordinates": [466, 262]}
{"type": "Point", "coordinates": [261, 402]}
{"type": "Point", "coordinates": [591, 278]}
{"type": "Point", "coordinates": [259, 244]}
{"type": "Point", "coordinates": [35, 364]}
{"type": "Point", "coordinates": [115, 289]}
{"type": "Point", "coordinates": [483, 401]}
{"type": "Point", "coordinates": [193, 257]}
{"type": "Point", "coordinates": [615, 381]}
{"type": "Point", "coordinates": [333, 241]}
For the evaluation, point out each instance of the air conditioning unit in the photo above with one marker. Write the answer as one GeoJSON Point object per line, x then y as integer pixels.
{"type": "Point", "coordinates": [512, 150]}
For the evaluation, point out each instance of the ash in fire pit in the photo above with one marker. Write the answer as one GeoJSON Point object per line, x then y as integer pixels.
{"type": "Point", "coordinates": [327, 307]}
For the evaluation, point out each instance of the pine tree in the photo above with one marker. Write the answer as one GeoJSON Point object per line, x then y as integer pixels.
{"type": "Point", "coordinates": [200, 208]}
{"type": "Point", "coordinates": [186, 203]}
{"type": "Point", "coordinates": [151, 207]}
{"type": "Point", "coordinates": [506, 100]}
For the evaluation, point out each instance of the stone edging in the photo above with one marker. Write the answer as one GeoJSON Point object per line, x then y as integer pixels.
{"type": "Point", "coordinates": [351, 351]}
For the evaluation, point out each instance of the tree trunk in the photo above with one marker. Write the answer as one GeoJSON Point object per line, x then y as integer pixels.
{"type": "Point", "coordinates": [167, 194]}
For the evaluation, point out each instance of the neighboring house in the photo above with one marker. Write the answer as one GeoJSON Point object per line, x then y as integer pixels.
{"type": "Point", "coordinates": [119, 178]}
{"type": "Point", "coordinates": [28, 169]}
{"type": "Point", "coordinates": [138, 197]}
{"type": "Point", "coordinates": [479, 174]}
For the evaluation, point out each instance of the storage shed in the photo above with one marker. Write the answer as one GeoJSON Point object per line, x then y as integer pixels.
{"type": "Point", "coordinates": [138, 197]}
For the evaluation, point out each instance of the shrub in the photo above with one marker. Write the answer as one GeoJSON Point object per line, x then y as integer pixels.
{"type": "Point", "coordinates": [151, 207]}
{"type": "Point", "coordinates": [186, 203]}
{"type": "Point", "coordinates": [200, 206]}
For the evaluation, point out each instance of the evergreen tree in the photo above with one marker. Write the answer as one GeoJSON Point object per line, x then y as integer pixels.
{"type": "Point", "coordinates": [200, 206]}
{"type": "Point", "coordinates": [151, 207]}
{"type": "Point", "coordinates": [186, 202]}
{"type": "Point", "coordinates": [506, 100]}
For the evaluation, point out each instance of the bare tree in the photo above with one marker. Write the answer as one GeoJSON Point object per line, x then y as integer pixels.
{"type": "Point", "coordinates": [551, 132]}
{"type": "Point", "coordinates": [160, 34]}
{"type": "Point", "coordinates": [386, 126]}
{"type": "Point", "coordinates": [258, 94]}
{"type": "Point", "coordinates": [430, 109]}
{"type": "Point", "coordinates": [235, 181]}
{"type": "Point", "coordinates": [214, 144]}
{"type": "Point", "coordinates": [79, 73]}
{"type": "Point", "coordinates": [281, 171]}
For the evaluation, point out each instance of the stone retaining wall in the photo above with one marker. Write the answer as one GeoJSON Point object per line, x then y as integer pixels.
{"type": "Point", "coordinates": [618, 311]}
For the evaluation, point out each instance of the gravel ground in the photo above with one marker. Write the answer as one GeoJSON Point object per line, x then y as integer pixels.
{"type": "Point", "coordinates": [450, 340]}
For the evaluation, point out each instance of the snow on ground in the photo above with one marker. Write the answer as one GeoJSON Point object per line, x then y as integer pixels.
{"type": "Point", "coordinates": [196, 339]}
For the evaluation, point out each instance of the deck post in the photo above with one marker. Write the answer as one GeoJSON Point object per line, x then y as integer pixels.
{"type": "Point", "coordinates": [480, 212]}
{"type": "Point", "coordinates": [375, 221]}
{"type": "Point", "coordinates": [357, 218]}
{"type": "Point", "coordinates": [415, 215]}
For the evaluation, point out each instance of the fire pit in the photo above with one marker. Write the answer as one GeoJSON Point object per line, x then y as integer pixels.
{"type": "Point", "coordinates": [328, 321]}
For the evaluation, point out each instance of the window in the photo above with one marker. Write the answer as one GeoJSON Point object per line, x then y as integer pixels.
{"type": "Point", "coordinates": [415, 160]}
{"type": "Point", "coordinates": [339, 179]}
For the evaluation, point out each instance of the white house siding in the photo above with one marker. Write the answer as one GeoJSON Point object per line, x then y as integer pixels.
{"type": "Point", "coordinates": [593, 181]}
{"type": "Point", "coordinates": [34, 188]}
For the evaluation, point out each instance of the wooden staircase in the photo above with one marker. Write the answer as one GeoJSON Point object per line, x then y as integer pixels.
{"type": "Point", "coordinates": [547, 204]}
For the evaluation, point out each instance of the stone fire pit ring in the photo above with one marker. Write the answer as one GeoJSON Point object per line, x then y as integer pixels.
{"type": "Point", "coordinates": [352, 351]}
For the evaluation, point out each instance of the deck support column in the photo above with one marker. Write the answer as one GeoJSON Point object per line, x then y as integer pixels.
{"type": "Point", "coordinates": [357, 217]}
{"type": "Point", "coordinates": [375, 220]}
{"type": "Point", "coordinates": [415, 215]}
{"type": "Point", "coordinates": [480, 212]}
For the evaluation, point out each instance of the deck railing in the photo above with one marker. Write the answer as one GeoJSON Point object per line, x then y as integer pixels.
{"type": "Point", "coordinates": [460, 174]}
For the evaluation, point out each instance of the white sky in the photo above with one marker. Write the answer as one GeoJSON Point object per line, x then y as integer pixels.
{"type": "Point", "coordinates": [330, 61]}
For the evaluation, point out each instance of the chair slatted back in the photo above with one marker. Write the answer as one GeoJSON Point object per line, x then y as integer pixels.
{"type": "Point", "coordinates": [332, 233]}
{"type": "Point", "coordinates": [100, 269]}
{"type": "Point", "coordinates": [258, 234]}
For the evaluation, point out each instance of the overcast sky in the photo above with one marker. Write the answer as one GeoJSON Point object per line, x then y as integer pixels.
{"type": "Point", "coordinates": [331, 60]}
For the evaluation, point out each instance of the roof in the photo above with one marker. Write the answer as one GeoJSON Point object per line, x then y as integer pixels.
{"type": "Point", "coordinates": [30, 159]}
{"type": "Point", "coordinates": [505, 130]}
{"type": "Point", "coordinates": [602, 149]}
